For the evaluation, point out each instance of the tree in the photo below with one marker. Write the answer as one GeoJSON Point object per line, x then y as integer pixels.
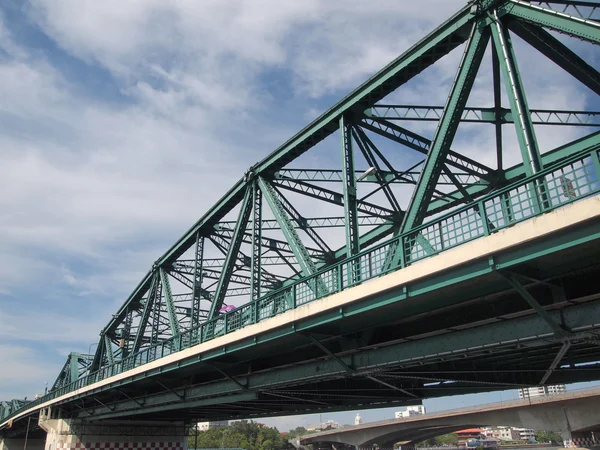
{"type": "Point", "coordinates": [445, 439]}
{"type": "Point", "coordinates": [241, 434]}
{"type": "Point", "coordinates": [297, 432]}
{"type": "Point", "coordinates": [548, 436]}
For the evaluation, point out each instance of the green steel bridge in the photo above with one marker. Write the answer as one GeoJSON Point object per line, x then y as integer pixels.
{"type": "Point", "coordinates": [406, 270]}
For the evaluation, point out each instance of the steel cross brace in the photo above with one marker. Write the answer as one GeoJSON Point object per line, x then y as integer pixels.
{"type": "Point", "coordinates": [353, 371]}
{"type": "Point", "coordinates": [561, 332]}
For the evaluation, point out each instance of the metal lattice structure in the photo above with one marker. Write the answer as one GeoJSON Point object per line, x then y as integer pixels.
{"type": "Point", "coordinates": [284, 235]}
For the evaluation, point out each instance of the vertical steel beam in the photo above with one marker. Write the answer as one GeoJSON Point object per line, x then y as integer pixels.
{"type": "Point", "coordinates": [73, 368]}
{"type": "Point", "coordinates": [255, 263]}
{"type": "Point", "coordinates": [497, 107]}
{"type": "Point", "coordinates": [197, 289]}
{"type": "Point", "coordinates": [447, 126]}
{"type": "Point", "coordinates": [530, 153]}
{"type": "Point", "coordinates": [110, 358]}
{"type": "Point", "coordinates": [232, 253]}
{"type": "Point", "coordinates": [166, 286]}
{"type": "Point", "coordinates": [126, 333]}
{"type": "Point", "coordinates": [349, 188]}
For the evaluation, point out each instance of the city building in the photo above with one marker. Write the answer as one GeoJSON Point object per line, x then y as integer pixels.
{"type": "Point", "coordinates": [416, 410]}
{"type": "Point", "coordinates": [512, 434]}
{"type": "Point", "coordinates": [502, 433]}
{"type": "Point", "coordinates": [327, 425]}
{"type": "Point", "coordinates": [540, 391]}
{"type": "Point", "coordinates": [205, 426]}
{"type": "Point", "coordinates": [470, 433]}
{"type": "Point", "coordinates": [526, 434]}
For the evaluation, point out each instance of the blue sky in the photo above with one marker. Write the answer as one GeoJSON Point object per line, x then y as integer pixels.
{"type": "Point", "coordinates": [122, 122]}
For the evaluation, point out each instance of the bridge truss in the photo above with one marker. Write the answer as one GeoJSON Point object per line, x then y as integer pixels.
{"type": "Point", "coordinates": [398, 188]}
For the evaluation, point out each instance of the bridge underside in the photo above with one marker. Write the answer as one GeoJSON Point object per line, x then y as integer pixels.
{"type": "Point", "coordinates": [464, 330]}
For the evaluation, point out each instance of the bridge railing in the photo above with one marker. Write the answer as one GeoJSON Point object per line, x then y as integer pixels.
{"type": "Point", "coordinates": [573, 178]}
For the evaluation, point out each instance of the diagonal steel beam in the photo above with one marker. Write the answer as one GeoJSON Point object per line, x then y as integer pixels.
{"type": "Point", "coordinates": [557, 52]}
{"type": "Point", "coordinates": [232, 254]}
{"type": "Point", "coordinates": [332, 197]}
{"type": "Point", "coordinates": [306, 263]}
{"type": "Point", "coordinates": [301, 223]}
{"type": "Point", "coordinates": [588, 30]}
{"type": "Point", "coordinates": [421, 144]}
{"type": "Point", "coordinates": [137, 343]}
{"type": "Point", "coordinates": [517, 286]}
{"type": "Point", "coordinates": [366, 147]}
{"type": "Point", "coordinates": [350, 369]}
{"type": "Point", "coordinates": [447, 127]}
{"type": "Point", "coordinates": [166, 288]}
{"type": "Point", "coordinates": [557, 359]}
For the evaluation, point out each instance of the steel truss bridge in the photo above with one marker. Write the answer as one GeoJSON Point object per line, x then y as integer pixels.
{"type": "Point", "coordinates": [387, 276]}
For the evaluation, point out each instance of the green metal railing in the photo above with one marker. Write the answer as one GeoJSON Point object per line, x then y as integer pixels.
{"type": "Point", "coordinates": [569, 180]}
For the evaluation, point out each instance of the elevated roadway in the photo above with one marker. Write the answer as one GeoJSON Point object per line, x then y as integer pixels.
{"type": "Point", "coordinates": [575, 414]}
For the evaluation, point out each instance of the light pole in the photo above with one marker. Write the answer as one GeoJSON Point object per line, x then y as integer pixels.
{"type": "Point", "coordinates": [90, 347]}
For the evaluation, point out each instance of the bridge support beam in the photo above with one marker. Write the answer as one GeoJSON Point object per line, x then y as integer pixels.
{"type": "Point", "coordinates": [70, 434]}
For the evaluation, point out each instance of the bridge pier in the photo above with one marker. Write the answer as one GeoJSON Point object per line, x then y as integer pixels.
{"type": "Point", "coordinates": [585, 439]}
{"type": "Point", "coordinates": [69, 434]}
{"type": "Point", "coordinates": [19, 444]}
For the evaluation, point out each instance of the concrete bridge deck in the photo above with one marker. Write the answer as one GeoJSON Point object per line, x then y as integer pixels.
{"type": "Point", "coordinates": [576, 412]}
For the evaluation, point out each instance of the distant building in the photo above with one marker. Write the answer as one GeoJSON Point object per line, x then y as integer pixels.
{"type": "Point", "coordinates": [510, 433]}
{"type": "Point", "coordinates": [205, 426]}
{"type": "Point", "coordinates": [409, 411]}
{"type": "Point", "coordinates": [526, 434]}
{"type": "Point", "coordinates": [470, 433]}
{"type": "Point", "coordinates": [541, 391]}
{"type": "Point", "coordinates": [357, 419]}
{"type": "Point", "coordinates": [327, 425]}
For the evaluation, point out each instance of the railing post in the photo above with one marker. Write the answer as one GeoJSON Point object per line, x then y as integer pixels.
{"type": "Point", "coordinates": [402, 259]}
{"type": "Point", "coordinates": [293, 293]}
{"type": "Point", "coordinates": [483, 216]}
{"type": "Point", "coordinates": [596, 162]}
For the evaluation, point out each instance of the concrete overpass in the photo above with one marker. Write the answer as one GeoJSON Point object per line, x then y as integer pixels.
{"type": "Point", "coordinates": [576, 415]}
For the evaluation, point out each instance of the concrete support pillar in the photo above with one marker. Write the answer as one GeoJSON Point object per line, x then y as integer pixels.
{"type": "Point", "coordinates": [567, 438]}
{"type": "Point", "coordinates": [585, 439]}
{"type": "Point", "coordinates": [19, 444]}
{"type": "Point", "coordinates": [68, 434]}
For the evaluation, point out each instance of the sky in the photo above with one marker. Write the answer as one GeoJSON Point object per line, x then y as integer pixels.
{"type": "Point", "coordinates": [121, 123]}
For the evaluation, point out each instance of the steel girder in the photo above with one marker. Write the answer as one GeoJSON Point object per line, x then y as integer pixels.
{"type": "Point", "coordinates": [76, 366]}
{"type": "Point", "coordinates": [270, 216]}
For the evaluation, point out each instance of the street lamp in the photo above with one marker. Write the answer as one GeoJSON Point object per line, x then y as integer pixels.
{"type": "Point", "coordinates": [366, 173]}
{"type": "Point", "coordinates": [90, 348]}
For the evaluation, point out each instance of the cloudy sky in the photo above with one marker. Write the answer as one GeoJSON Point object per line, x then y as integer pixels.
{"type": "Point", "coordinates": [122, 122]}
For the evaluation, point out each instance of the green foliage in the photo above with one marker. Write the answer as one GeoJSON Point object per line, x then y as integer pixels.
{"type": "Point", "coordinates": [445, 439]}
{"type": "Point", "coordinates": [297, 432]}
{"type": "Point", "coordinates": [242, 434]}
{"type": "Point", "coordinates": [548, 436]}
